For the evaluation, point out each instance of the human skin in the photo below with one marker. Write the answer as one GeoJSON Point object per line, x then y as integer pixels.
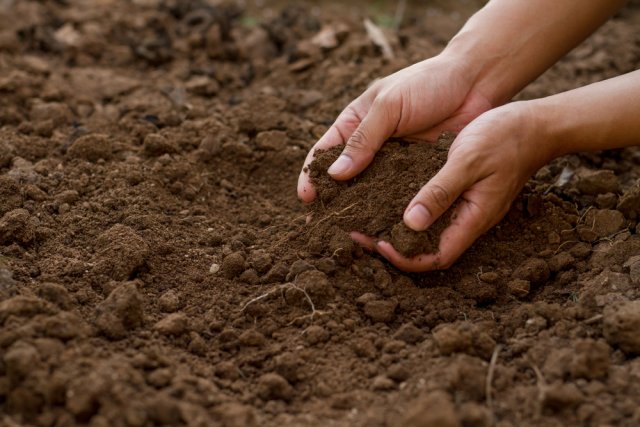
{"type": "Point", "coordinates": [497, 53]}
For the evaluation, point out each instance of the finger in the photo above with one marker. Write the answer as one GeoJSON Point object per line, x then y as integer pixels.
{"type": "Point", "coordinates": [417, 264]}
{"type": "Point", "coordinates": [470, 221]}
{"type": "Point", "coordinates": [438, 194]}
{"type": "Point", "coordinates": [346, 123]}
{"type": "Point", "coordinates": [379, 124]}
{"type": "Point", "coordinates": [365, 241]}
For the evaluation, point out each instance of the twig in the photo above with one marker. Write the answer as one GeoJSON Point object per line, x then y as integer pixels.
{"type": "Point", "coordinates": [282, 289]}
{"type": "Point", "coordinates": [542, 387]}
{"type": "Point", "coordinates": [564, 243]}
{"type": "Point", "coordinates": [378, 38]}
{"type": "Point", "coordinates": [332, 214]}
{"type": "Point", "coordinates": [490, 373]}
{"type": "Point", "coordinates": [594, 319]}
{"type": "Point", "coordinates": [579, 220]}
{"type": "Point", "coordinates": [399, 17]}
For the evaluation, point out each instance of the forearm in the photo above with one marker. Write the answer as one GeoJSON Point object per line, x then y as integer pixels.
{"type": "Point", "coordinates": [600, 116]}
{"type": "Point", "coordinates": [509, 43]}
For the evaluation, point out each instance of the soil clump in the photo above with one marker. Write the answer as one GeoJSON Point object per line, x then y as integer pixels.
{"type": "Point", "coordinates": [373, 202]}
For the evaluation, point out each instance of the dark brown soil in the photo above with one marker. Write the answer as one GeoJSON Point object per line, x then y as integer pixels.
{"type": "Point", "coordinates": [156, 267]}
{"type": "Point", "coordinates": [374, 201]}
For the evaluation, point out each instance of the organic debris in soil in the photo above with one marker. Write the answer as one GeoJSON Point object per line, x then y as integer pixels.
{"type": "Point", "coordinates": [373, 203]}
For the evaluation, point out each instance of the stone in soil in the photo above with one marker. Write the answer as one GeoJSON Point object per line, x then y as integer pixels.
{"type": "Point", "coordinates": [373, 203]}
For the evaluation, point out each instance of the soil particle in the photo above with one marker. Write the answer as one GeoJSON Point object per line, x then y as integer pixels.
{"type": "Point", "coordinates": [249, 276]}
{"type": "Point", "coordinates": [621, 326]}
{"type": "Point", "coordinates": [561, 261]}
{"type": "Point", "coordinates": [316, 334]}
{"type": "Point", "coordinates": [433, 410]}
{"type": "Point", "coordinates": [232, 265]}
{"type": "Point", "coordinates": [155, 145]}
{"type": "Point", "coordinates": [390, 182]}
{"type": "Point", "coordinates": [380, 310]}
{"type": "Point", "coordinates": [234, 414]}
{"type": "Point", "coordinates": [409, 333]}
{"type": "Point", "coordinates": [252, 338]}
{"type": "Point", "coordinates": [316, 284]}
{"type": "Point", "coordinates": [66, 326]}
{"type": "Point", "coordinates": [56, 112]}
{"type": "Point", "coordinates": [580, 250]}
{"type": "Point", "coordinates": [601, 223]}
{"type": "Point", "coordinates": [6, 280]}
{"type": "Point", "coordinates": [561, 396]}
{"type": "Point", "coordinates": [629, 202]}
{"type": "Point", "coordinates": [463, 337]}
{"type": "Point", "coordinates": [24, 306]}
{"type": "Point", "coordinates": [6, 155]}
{"type": "Point", "coordinates": [298, 267]}
{"type": "Point", "coordinates": [594, 182]}
{"type": "Point", "coordinates": [56, 294]}
{"type": "Point", "coordinates": [607, 201]}
{"type": "Point", "coordinates": [590, 359]}
{"type": "Point", "coordinates": [19, 360]}
{"type": "Point", "coordinates": [17, 226]}
{"type": "Point", "coordinates": [382, 383]}
{"type": "Point", "coordinates": [174, 324]}
{"type": "Point", "coordinates": [10, 195]}
{"type": "Point", "coordinates": [121, 253]}
{"type": "Point", "coordinates": [226, 370]}
{"type": "Point", "coordinates": [290, 366]}
{"type": "Point", "coordinates": [260, 260]}
{"type": "Point", "coordinates": [120, 312]}
{"type": "Point", "coordinates": [273, 387]}
{"type": "Point", "coordinates": [274, 140]}
{"type": "Point", "coordinates": [169, 301]}
{"type": "Point", "coordinates": [475, 415]}
{"type": "Point", "coordinates": [534, 270]}
{"type": "Point", "coordinates": [92, 148]}
{"type": "Point", "coordinates": [364, 348]}
{"type": "Point", "coordinates": [197, 344]}
{"type": "Point", "coordinates": [519, 288]}
{"type": "Point", "coordinates": [632, 265]}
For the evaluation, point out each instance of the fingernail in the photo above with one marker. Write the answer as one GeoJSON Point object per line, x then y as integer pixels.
{"type": "Point", "coordinates": [340, 166]}
{"type": "Point", "coordinates": [417, 218]}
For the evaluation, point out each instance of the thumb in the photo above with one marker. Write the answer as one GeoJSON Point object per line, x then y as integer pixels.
{"type": "Point", "coordinates": [438, 195]}
{"type": "Point", "coordinates": [379, 124]}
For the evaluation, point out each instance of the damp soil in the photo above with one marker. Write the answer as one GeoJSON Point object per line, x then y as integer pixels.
{"type": "Point", "coordinates": [156, 267]}
{"type": "Point", "coordinates": [373, 203]}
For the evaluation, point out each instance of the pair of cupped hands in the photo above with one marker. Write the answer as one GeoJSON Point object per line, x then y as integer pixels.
{"type": "Point", "coordinates": [492, 157]}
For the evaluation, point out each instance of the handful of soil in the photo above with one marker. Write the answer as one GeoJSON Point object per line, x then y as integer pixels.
{"type": "Point", "coordinates": [373, 202]}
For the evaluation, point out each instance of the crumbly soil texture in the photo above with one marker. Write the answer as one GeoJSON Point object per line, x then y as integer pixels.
{"type": "Point", "coordinates": [373, 203]}
{"type": "Point", "coordinates": [156, 267]}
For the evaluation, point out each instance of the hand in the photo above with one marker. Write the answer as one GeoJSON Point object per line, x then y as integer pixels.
{"type": "Point", "coordinates": [417, 103]}
{"type": "Point", "coordinates": [488, 164]}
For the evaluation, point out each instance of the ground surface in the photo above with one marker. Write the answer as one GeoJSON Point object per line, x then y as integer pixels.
{"type": "Point", "coordinates": [156, 269]}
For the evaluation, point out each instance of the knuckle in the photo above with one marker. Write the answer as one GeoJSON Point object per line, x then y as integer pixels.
{"type": "Point", "coordinates": [439, 196]}
{"type": "Point", "coordinates": [358, 142]}
{"type": "Point", "coordinates": [445, 262]}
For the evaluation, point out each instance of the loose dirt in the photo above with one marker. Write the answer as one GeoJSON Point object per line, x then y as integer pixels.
{"type": "Point", "coordinates": [156, 267]}
{"type": "Point", "coordinates": [373, 202]}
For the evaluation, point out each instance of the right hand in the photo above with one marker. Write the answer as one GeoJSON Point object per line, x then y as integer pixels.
{"type": "Point", "coordinates": [416, 103]}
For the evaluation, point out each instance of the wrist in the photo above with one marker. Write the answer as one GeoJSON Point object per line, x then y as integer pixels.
{"type": "Point", "coordinates": [536, 129]}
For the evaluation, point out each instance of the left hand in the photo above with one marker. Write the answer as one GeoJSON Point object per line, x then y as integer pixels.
{"type": "Point", "coordinates": [488, 164]}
